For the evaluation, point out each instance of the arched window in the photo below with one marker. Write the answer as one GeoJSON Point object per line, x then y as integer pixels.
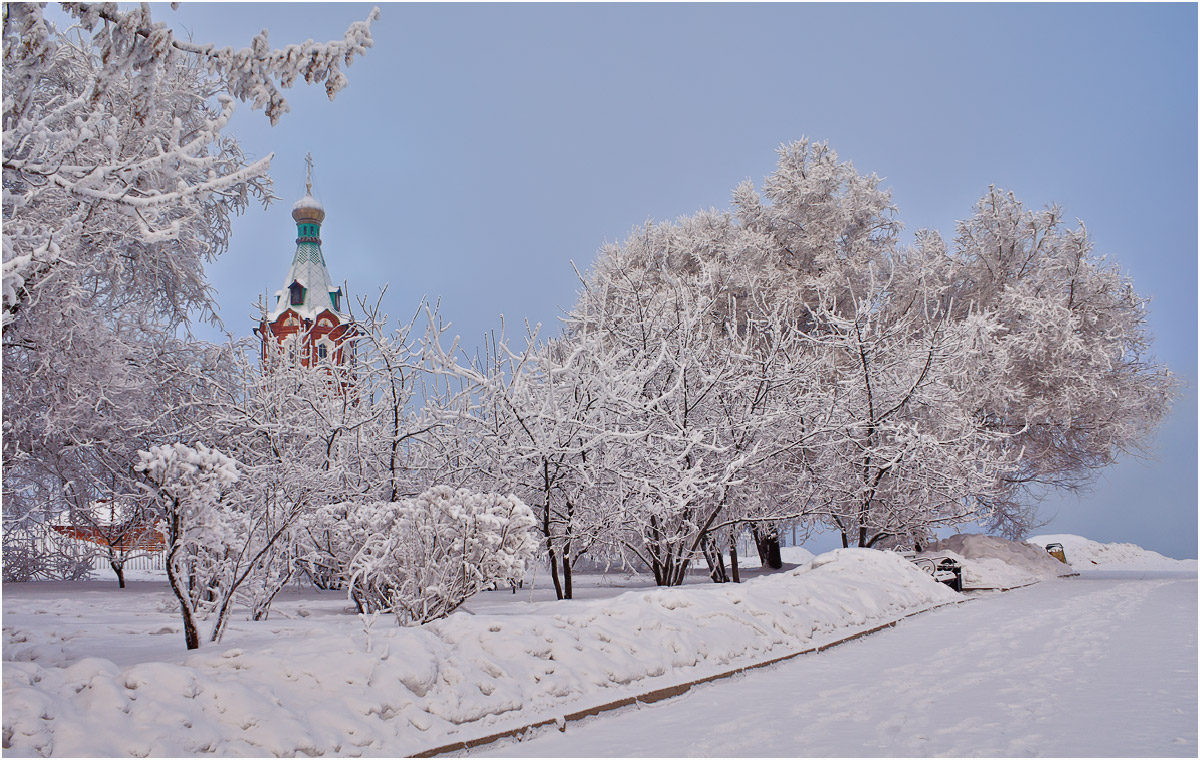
{"type": "Point", "coordinates": [297, 293]}
{"type": "Point", "coordinates": [321, 351]}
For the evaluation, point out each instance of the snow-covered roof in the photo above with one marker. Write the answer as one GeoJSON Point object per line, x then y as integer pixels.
{"type": "Point", "coordinates": [307, 269]}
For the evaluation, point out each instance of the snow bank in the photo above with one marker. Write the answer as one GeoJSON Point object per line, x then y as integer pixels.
{"type": "Point", "coordinates": [1085, 554]}
{"type": "Point", "coordinates": [349, 688]}
{"type": "Point", "coordinates": [994, 562]}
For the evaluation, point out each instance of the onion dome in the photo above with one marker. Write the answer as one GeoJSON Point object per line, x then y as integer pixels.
{"type": "Point", "coordinates": [308, 210]}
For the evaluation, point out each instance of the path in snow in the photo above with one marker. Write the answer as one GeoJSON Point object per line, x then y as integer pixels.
{"type": "Point", "coordinates": [1102, 665]}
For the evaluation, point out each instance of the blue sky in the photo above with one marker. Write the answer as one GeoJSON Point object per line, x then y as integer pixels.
{"type": "Point", "coordinates": [480, 149]}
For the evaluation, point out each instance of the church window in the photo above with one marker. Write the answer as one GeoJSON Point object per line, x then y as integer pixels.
{"type": "Point", "coordinates": [297, 293]}
{"type": "Point", "coordinates": [321, 351]}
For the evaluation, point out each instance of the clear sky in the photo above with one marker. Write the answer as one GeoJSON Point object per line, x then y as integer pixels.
{"type": "Point", "coordinates": [480, 149]}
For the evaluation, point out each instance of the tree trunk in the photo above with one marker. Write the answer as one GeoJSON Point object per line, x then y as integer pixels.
{"type": "Point", "coordinates": [724, 575]}
{"type": "Point", "coordinates": [263, 608]}
{"type": "Point", "coordinates": [715, 560]}
{"type": "Point", "coordinates": [191, 633]}
{"type": "Point", "coordinates": [558, 589]}
{"type": "Point", "coordinates": [758, 544]}
{"type": "Point", "coordinates": [768, 548]}
{"type": "Point", "coordinates": [218, 629]}
{"type": "Point", "coordinates": [119, 569]}
{"type": "Point", "coordinates": [733, 558]}
{"type": "Point", "coordinates": [774, 556]}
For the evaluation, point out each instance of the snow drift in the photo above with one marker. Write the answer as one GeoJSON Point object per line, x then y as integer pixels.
{"type": "Point", "coordinates": [1084, 554]}
{"type": "Point", "coordinates": [992, 562]}
{"type": "Point", "coordinates": [346, 688]}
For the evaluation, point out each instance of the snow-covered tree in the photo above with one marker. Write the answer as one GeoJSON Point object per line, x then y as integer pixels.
{"type": "Point", "coordinates": [905, 455]}
{"type": "Point", "coordinates": [421, 431]}
{"type": "Point", "coordinates": [708, 383]}
{"type": "Point", "coordinates": [816, 226]}
{"type": "Point", "coordinates": [118, 186]}
{"type": "Point", "coordinates": [544, 419]}
{"type": "Point", "coordinates": [1082, 386]}
{"type": "Point", "coordinates": [794, 362]}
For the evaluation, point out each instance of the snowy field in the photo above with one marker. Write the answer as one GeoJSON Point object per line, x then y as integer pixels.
{"type": "Point", "coordinates": [92, 670]}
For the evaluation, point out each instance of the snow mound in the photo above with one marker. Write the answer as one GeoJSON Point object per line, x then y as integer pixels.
{"type": "Point", "coordinates": [1085, 554]}
{"type": "Point", "coordinates": [349, 687]}
{"type": "Point", "coordinates": [994, 562]}
{"type": "Point", "coordinates": [796, 555]}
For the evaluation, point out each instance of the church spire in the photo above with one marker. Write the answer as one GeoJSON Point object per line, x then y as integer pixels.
{"type": "Point", "coordinates": [308, 309]}
{"type": "Point", "coordinates": [309, 290]}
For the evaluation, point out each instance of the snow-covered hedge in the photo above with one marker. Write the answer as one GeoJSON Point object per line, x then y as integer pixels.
{"type": "Point", "coordinates": [421, 558]}
{"type": "Point", "coordinates": [398, 690]}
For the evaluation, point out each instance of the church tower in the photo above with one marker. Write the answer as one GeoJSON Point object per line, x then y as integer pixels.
{"type": "Point", "coordinates": [309, 305]}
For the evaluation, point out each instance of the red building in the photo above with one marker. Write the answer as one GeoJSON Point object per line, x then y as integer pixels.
{"type": "Point", "coordinates": [309, 305]}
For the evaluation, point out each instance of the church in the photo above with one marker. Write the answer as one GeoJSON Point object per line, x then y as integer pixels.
{"type": "Point", "coordinates": [309, 305]}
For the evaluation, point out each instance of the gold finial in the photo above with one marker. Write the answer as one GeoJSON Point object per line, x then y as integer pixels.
{"type": "Point", "coordinates": [308, 179]}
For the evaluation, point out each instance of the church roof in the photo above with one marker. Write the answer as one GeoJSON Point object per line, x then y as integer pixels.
{"type": "Point", "coordinates": [308, 269]}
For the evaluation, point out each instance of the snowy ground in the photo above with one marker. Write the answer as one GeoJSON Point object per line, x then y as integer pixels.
{"type": "Point", "coordinates": [1103, 665]}
{"type": "Point", "coordinates": [91, 670]}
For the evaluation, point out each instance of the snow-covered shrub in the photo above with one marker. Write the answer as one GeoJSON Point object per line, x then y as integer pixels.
{"type": "Point", "coordinates": [421, 558]}
{"type": "Point", "coordinates": [191, 486]}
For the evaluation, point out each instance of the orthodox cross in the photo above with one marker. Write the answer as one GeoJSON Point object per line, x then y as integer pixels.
{"type": "Point", "coordinates": [308, 180]}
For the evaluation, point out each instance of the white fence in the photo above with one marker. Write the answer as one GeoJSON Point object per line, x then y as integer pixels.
{"type": "Point", "coordinates": [140, 561]}
{"type": "Point", "coordinates": [50, 544]}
